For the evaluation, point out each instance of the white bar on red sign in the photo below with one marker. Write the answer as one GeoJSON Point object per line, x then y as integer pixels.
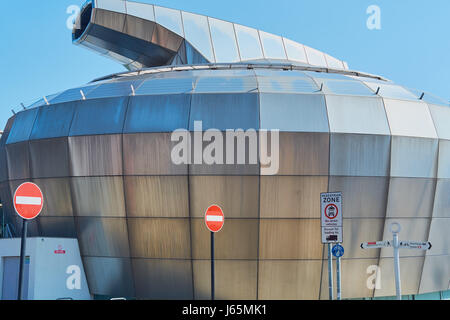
{"type": "Point", "coordinates": [376, 245]}
{"type": "Point", "coordinates": [214, 218]}
{"type": "Point", "coordinates": [29, 200]}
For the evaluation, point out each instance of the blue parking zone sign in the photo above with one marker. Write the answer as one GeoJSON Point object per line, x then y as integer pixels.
{"type": "Point", "coordinates": [338, 251]}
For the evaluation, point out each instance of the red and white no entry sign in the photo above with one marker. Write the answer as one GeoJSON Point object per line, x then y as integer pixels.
{"type": "Point", "coordinates": [214, 218]}
{"type": "Point", "coordinates": [28, 200]}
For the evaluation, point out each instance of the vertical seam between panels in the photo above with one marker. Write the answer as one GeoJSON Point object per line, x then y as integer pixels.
{"type": "Point", "coordinates": [261, 44]}
{"type": "Point", "coordinates": [30, 165]}
{"type": "Point", "coordinates": [189, 199]}
{"type": "Point", "coordinates": [211, 40]}
{"type": "Point", "coordinates": [259, 190]}
{"type": "Point", "coordinates": [125, 197]}
{"type": "Point", "coordinates": [388, 187]}
{"type": "Point", "coordinates": [284, 47]}
{"type": "Point", "coordinates": [237, 42]}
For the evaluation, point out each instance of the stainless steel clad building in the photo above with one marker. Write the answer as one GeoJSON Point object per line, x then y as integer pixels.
{"type": "Point", "coordinates": [101, 154]}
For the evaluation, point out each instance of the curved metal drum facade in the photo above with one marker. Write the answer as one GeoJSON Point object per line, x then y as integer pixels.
{"type": "Point", "coordinates": [104, 166]}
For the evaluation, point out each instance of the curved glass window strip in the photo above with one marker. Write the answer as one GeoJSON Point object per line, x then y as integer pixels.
{"type": "Point", "coordinates": [224, 41]}
{"type": "Point", "coordinates": [111, 5]}
{"type": "Point", "coordinates": [410, 119]}
{"type": "Point", "coordinates": [74, 94]}
{"type": "Point", "coordinates": [273, 46]}
{"type": "Point", "coordinates": [333, 62]}
{"type": "Point", "coordinates": [295, 51]}
{"type": "Point", "coordinates": [115, 89]}
{"type": "Point", "coordinates": [166, 86]}
{"type": "Point", "coordinates": [226, 84]}
{"type": "Point", "coordinates": [170, 19]}
{"type": "Point", "coordinates": [22, 126]}
{"type": "Point", "coordinates": [197, 33]}
{"type": "Point", "coordinates": [391, 91]}
{"type": "Point", "coordinates": [249, 43]}
{"type": "Point", "coordinates": [429, 98]}
{"type": "Point", "coordinates": [315, 57]}
{"type": "Point", "coordinates": [141, 10]}
{"type": "Point", "coordinates": [287, 84]}
{"type": "Point", "coordinates": [343, 87]}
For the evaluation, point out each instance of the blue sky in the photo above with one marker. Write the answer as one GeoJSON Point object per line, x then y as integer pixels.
{"type": "Point", "coordinates": [412, 48]}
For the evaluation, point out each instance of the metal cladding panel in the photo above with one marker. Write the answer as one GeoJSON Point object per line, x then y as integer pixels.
{"type": "Point", "coordinates": [411, 197]}
{"type": "Point", "coordinates": [156, 197]}
{"type": "Point", "coordinates": [236, 195]}
{"type": "Point", "coordinates": [109, 19]}
{"type": "Point", "coordinates": [197, 32]}
{"type": "Point", "coordinates": [391, 91]}
{"type": "Point", "coordinates": [3, 155]}
{"type": "Point", "coordinates": [435, 275]}
{"type": "Point", "coordinates": [224, 41]}
{"type": "Point", "coordinates": [291, 197]}
{"type": "Point", "coordinates": [114, 89]}
{"type": "Point", "coordinates": [160, 86]}
{"type": "Point", "coordinates": [289, 280]}
{"type": "Point", "coordinates": [49, 158]}
{"type": "Point", "coordinates": [441, 118]}
{"type": "Point", "coordinates": [303, 153]}
{"type": "Point", "coordinates": [74, 94]}
{"type": "Point", "coordinates": [57, 197]}
{"type": "Point", "coordinates": [444, 159]}
{"type": "Point", "coordinates": [109, 276]}
{"type": "Point", "coordinates": [98, 196]}
{"type": "Point", "coordinates": [159, 238]}
{"type": "Point", "coordinates": [150, 154]}
{"type": "Point", "coordinates": [357, 231]}
{"type": "Point", "coordinates": [412, 229]}
{"type": "Point", "coordinates": [409, 118]}
{"type": "Point", "coordinates": [359, 155]}
{"type": "Point", "coordinates": [96, 155]}
{"type": "Point", "coordinates": [103, 237]}
{"type": "Point", "coordinates": [249, 43]}
{"type": "Point", "coordinates": [141, 10]}
{"type": "Point", "coordinates": [166, 39]}
{"type": "Point", "coordinates": [290, 239]}
{"type": "Point", "coordinates": [293, 113]}
{"type": "Point", "coordinates": [170, 19]}
{"type": "Point", "coordinates": [315, 57]}
{"type": "Point", "coordinates": [414, 157]}
{"type": "Point", "coordinates": [22, 126]}
{"type": "Point", "coordinates": [295, 51]}
{"type": "Point", "coordinates": [365, 197]}
{"type": "Point", "coordinates": [53, 121]}
{"type": "Point", "coordinates": [440, 237]}
{"type": "Point", "coordinates": [57, 227]}
{"type": "Point", "coordinates": [225, 111]}
{"type": "Point", "coordinates": [238, 240]}
{"type": "Point", "coordinates": [355, 278]}
{"type": "Point", "coordinates": [99, 116]}
{"type": "Point", "coordinates": [273, 46]}
{"type": "Point", "coordinates": [357, 115]}
{"type": "Point", "coordinates": [163, 279]}
{"type": "Point", "coordinates": [18, 161]}
{"type": "Point", "coordinates": [139, 28]}
{"type": "Point", "coordinates": [442, 199]}
{"type": "Point", "coordinates": [226, 83]}
{"type": "Point", "coordinates": [411, 271]}
{"type": "Point", "coordinates": [157, 113]}
{"type": "Point", "coordinates": [236, 280]}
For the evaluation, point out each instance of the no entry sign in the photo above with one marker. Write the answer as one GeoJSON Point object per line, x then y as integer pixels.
{"type": "Point", "coordinates": [214, 218]}
{"type": "Point", "coordinates": [28, 201]}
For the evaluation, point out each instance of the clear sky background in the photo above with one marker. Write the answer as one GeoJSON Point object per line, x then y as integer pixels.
{"type": "Point", "coordinates": [412, 48]}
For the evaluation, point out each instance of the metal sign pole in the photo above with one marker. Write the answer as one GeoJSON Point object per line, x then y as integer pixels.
{"type": "Point", "coordinates": [338, 277]}
{"type": "Point", "coordinates": [212, 266]}
{"type": "Point", "coordinates": [330, 272]}
{"type": "Point", "coordinates": [22, 258]}
{"type": "Point", "coordinates": [398, 285]}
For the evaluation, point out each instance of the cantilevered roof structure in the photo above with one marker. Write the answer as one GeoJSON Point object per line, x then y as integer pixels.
{"type": "Point", "coordinates": [140, 35]}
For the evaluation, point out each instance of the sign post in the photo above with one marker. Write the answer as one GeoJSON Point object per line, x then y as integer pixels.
{"type": "Point", "coordinates": [214, 220]}
{"type": "Point", "coordinates": [28, 202]}
{"type": "Point", "coordinates": [338, 252]}
{"type": "Point", "coordinates": [395, 229]}
{"type": "Point", "coordinates": [331, 223]}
